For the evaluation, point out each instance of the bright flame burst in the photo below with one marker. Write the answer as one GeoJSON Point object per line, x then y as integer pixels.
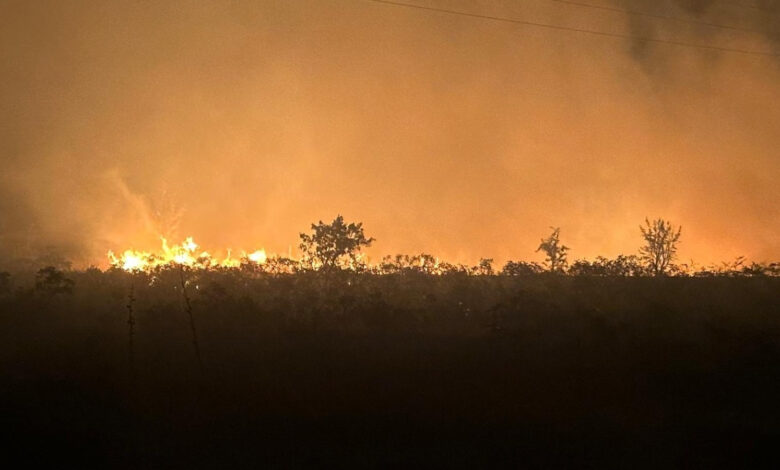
{"type": "Point", "coordinates": [258, 257]}
{"type": "Point", "coordinates": [185, 254]}
{"type": "Point", "coordinates": [188, 254]}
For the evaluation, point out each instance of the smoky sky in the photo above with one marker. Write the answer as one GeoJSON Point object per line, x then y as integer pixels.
{"type": "Point", "coordinates": [241, 122]}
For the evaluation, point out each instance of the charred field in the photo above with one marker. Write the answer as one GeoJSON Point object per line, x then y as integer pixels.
{"type": "Point", "coordinates": [381, 370]}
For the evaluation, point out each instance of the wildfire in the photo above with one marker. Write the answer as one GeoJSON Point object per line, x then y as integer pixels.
{"type": "Point", "coordinates": [184, 254]}
{"type": "Point", "coordinates": [189, 254]}
{"type": "Point", "coordinates": [258, 257]}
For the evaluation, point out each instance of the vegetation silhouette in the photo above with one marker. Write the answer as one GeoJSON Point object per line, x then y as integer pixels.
{"type": "Point", "coordinates": [600, 362]}
{"type": "Point", "coordinates": [485, 267]}
{"type": "Point", "coordinates": [554, 251]}
{"type": "Point", "coordinates": [337, 246]}
{"type": "Point", "coordinates": [51, 281]}
{"type": "Point", "coordinates": [187, 307]}
{"type": "Point", "coordinates": [660, 248]}
{"type": "Point", "coordinates": [334, 245]}
{"type": "Point", "coordinates": [521, 268]}
{"type": "Point", "coordinates": [622, 266]}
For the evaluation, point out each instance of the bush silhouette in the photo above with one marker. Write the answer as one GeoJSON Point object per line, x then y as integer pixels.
{"type": "Point", "coordinates": [621, 266]}
{"type": "Point", "coordinates": [520, 268]}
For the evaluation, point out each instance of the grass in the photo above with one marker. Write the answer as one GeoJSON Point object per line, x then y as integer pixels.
{"type": "Point", "coordinates": [386, 370]}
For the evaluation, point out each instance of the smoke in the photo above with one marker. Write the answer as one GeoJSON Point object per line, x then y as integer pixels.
{"type": "Point", "coordinates": [719, 23]}
{"type": "Point", "coordinates": [461, 137]}
{"type": "Point", "coordinates": [161, 216]}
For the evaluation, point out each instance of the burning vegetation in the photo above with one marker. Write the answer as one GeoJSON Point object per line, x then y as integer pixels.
{"type": "Point", "coordinates": [184, 254]}
{"type": "Point", "coordinates": [337, 246]}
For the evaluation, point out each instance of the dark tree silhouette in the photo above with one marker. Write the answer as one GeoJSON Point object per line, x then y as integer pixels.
{"type": "Point", "coordinates": [660, 247]}
{"type": "Point", "coordinates": [520, 268]}
{"type": "Point", "coordinates": [331, 243]}
{"type": "Point", "coordinates": [555, 251]}
{"type": "Point", "coordinates": [52, 281]}
{"type": "Point", "coordinates": [485, 267]}
{"type": "Point", "coordinates": [621, 266]}
{"type": "Point", "coordinates": [422, 263]}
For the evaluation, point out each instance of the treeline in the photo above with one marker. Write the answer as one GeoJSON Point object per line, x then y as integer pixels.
{"type": "Point", "coordinates": [337, 246]}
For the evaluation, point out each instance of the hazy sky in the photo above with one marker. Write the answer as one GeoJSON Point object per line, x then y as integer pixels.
{"type": "Point", "coordinates": [241, 122]}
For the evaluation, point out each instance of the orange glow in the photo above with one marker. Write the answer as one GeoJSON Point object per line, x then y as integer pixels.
{"type": "Point", "coordinates": [460, 137]}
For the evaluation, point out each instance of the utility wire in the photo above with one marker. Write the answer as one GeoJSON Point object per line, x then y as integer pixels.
{"type": "Point", "coordinates": [578, 30]}
{"type": "Point", "coordinates": [754, 7]}
{"type": "Point", "coordinates": [658, 16]}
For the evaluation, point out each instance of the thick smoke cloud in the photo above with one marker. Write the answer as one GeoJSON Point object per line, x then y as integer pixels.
{"type": "Point", "coordinates": [242, 122]}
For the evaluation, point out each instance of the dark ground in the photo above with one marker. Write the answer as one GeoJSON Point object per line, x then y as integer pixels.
{"type": "Point", "coordinates": [300, 371]}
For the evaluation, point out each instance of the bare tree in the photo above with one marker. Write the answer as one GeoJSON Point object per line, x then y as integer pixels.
{"type": "Point", "coordinates": [660, 249]}
{"type": "Point", "coordinates": [555, 251]}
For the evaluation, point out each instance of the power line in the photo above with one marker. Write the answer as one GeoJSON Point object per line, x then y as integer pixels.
{"type": "Point", "coordinates": [658, 16]}
{"type": "Point", "coordinates": [577, 30]}
{"type": "Point", "coordinates": [752, 7]}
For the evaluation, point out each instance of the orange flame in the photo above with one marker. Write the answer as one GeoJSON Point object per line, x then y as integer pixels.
{"type": "Point", "coordinates": [184, 254]}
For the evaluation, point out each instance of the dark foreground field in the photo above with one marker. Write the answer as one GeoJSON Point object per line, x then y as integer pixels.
{"type": "Point", "coordinates": [301, 371]}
